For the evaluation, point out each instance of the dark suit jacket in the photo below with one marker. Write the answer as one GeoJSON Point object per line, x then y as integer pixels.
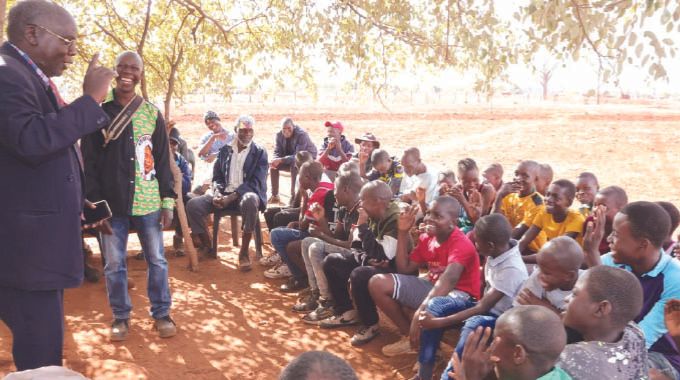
{"type": "Point", "coordinates": [254, 172]}
{"type": "Point", "coordinates": [41, 193]}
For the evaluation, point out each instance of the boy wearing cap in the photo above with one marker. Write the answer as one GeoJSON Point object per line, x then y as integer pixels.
{"type": "Point", "coordinates": [335, 149]}
{"type": "Point", "coordinates": [213, 141]}
{"type": "Point", "coordinates": [367, 144]}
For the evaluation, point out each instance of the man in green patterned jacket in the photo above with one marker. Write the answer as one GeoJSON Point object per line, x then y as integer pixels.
{"type": "Point", "coordinates": [129, 167]}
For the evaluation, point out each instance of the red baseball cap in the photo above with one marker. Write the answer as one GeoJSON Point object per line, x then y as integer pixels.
{"type": "Point", "coordinates": [336, 125]}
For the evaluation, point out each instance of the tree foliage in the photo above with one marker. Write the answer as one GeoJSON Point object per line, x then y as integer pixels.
{"type": "Point", "coordinates": [192, 45]}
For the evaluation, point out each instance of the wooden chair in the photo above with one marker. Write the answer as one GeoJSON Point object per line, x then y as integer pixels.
{"type": "Point", "coordinates": [234, 215]}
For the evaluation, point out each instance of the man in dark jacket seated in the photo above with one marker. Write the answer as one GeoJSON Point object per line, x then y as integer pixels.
{"type": "Point", "coordinates": [290, 140]}
{"type": "Point", "coordinates": [239, 183]}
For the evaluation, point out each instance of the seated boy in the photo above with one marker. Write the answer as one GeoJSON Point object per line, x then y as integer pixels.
{"type": "Point", "coordinates": [638, 233]}
{"type": "Point", "coordinates": [447, 253]}
{"type": "Point", "coordinates": [556, 219]}
{"type": "Point", "coordinates": [335, 149]}
{"type": "Point", "coordinates": [559, 263]}
{"type": "Point", "coordinates": [328, 238]}
{"type": "Point", "coordinates": [418, 175]}
{"type": "Point", "coordinates": [493, 175]}
{"type": "Point", "coordinates": [310, 180]}
{"type": "Point", "coordinates": [374, 246]}
{"type": "Point", "coordinates": [504, 272]}
{"type": "Point", "coordinates": [608, 202]}
{"type": "Point", "coordinates": [387, 169]}
{"type": "Point", "coordinates": [604, 303]}
{"type": "Point", "coordinates": [669, 244]}
{"type": "Point", "coordinates": [586, 188]}
{"type": "Point", "coordinates": [476, 198]}
{"type": "Point", "coordinates": [520, 202]}
{"type": "Point", "coordinates": [275, 216]}
{"type": "Point", "coordinates": [545, 178]}
{"type": "Point", "coordinates": [527, 343]}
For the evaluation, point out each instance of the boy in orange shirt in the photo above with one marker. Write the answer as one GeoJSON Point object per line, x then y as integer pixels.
{"type": "Point", "coordinates": [556, 219]}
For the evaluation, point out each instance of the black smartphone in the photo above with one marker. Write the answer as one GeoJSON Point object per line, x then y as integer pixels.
{"type": "Point", "coordinates": [99, 213]}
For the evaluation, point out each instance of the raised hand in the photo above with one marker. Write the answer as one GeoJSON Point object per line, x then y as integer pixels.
{"type": "Point", "coordinates": [595, 230]}
{"type": "Point", "coordinates": [407, 218]}
{"type": "Point", "coordinates": [421, 194]}
{"type": "Point", "coordinates": [476, 362]}
{"type": "Point", "coordinates": [97, 80]}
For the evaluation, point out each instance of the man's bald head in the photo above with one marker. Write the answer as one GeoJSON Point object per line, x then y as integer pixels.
{"type": "Point", "coordinates": [32, 12]}
{"type": "Point", "coordinates": [536, 328]}
{"type": "Point", "coordinates": [565, 251]}
{"type": "Point", "coordinates": [449, 206]}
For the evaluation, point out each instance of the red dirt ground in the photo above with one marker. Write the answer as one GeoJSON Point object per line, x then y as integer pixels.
{"type": "Point", "coordinates": [238, 326]}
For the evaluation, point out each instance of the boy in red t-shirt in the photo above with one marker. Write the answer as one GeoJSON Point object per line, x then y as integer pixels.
{"type": "Point", "coordinates": [446, 252]}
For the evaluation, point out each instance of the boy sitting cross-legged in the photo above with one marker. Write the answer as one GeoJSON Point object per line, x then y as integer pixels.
{"type": "Point", "coordinates": [527, 343]}
{"type": "Point", "coordinates": [447, 253]}
{"type": "Point", "coordinates": [325, 240]}
{"type": "Point", "coordinates": [556, 220]}
{"type": "Point", "coordinates": [504, 272]}
{"type": "Point", "coordinates": [602, 307]}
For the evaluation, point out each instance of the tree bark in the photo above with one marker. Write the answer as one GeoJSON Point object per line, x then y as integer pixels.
{"type": "Point", "coordinates": [182, 215]}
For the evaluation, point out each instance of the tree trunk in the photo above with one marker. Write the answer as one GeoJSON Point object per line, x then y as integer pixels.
{"type": "Point", "coordinates": [182, 215]}
{"type": "Point", "coordinates": [3, 11]}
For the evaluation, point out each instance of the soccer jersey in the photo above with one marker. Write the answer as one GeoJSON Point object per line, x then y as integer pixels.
{"type": "Point", "coordinates": [552, 229]}
{"type": "Point", "coordinates": [523, 210]}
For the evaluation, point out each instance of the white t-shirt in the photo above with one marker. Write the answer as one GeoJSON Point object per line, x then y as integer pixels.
{"type": "Point", "coordinates": [556, 297]}
{"type": "Point", "coordinates": [505, 273]}
{"type": "Point", "coordinates": [427, 180]}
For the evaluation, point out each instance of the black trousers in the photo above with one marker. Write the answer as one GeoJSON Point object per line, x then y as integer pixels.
{"type": "Point", "coordinates": [274, 177]}
{"type": "Point", "coordinates": [36, 320]}
{"type": "Point", "coordinates": [280, 216]}
{"type": "Point", "coordinates": [341, 268]}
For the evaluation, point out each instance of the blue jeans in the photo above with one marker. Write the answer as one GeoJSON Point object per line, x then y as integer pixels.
{"type": "Point", "coordinates": [430, 338]}
{"type": "Point", "coordinates": [280, 237]}
{"type": "Point", "coordinates": [115, 252]}
{"type": "Point", "coordinates": [470, 325]}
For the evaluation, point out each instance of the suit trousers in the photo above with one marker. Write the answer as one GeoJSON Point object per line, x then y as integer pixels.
{"type": "Point", "coordinates": [36, 320]}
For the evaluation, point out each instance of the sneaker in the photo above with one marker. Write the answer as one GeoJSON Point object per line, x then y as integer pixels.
{"type": "Point", "coordinates": [365, 335]}
{"type": "Point", "coordinates": [274, 199]}
{"type": "Point", "coordinates": [280, 271]}
{"type": "Point", "coordinates": [323, 311]}
{"type": "Point", "coordinates": [271, 260]}
{"type": "Point", "coordinates": [119, 330]}
{"type": "Point", "coordinates": [400, 347]}
{"type": "Point", "coordinates": [166, 327]}
{"type": "Point", "coordinates": [307, 303]}
{"type": "Point", "coordinates": [347, 318]}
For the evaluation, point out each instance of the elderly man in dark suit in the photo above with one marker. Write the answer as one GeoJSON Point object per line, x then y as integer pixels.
{"type": "Point", "coordinates": [239, 183]}
{"type": "Point", "coordinates": [41, 202]}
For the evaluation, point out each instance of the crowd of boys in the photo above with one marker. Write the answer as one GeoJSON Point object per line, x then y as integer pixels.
{"type": "Point", "coordinates": [543, 278]}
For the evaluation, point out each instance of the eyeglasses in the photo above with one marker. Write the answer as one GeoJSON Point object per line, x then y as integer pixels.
{"type": "Point", "coordinates": [67, 41]}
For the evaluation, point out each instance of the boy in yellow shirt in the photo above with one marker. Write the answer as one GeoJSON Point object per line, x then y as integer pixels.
{"type": "Point", "coordinates": [520, 203]}
{"type": "Point", "coordinates": [556, 219]}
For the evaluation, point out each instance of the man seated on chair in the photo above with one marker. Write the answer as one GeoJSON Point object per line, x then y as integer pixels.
{"type": "Point", "coordinates": [239, 183]}
{"type": "Point", "coordinates": [290, 140]}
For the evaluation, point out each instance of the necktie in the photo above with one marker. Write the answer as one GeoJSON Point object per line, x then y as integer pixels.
{"type": "Point", "coordinates": [54, 91]}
